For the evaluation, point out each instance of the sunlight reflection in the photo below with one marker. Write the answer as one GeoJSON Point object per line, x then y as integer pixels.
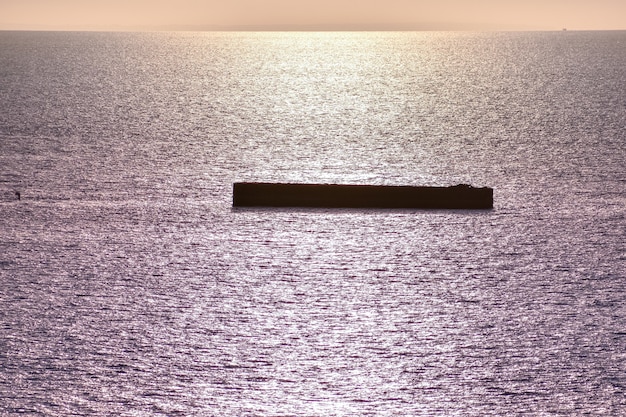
{"type": "Point", "coordinates": [332, 102]}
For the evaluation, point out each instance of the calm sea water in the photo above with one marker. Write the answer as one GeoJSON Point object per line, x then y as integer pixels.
{"type": "Point", "coordinates": [130, 286]}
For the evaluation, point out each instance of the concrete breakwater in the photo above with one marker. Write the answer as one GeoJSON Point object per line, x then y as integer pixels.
{"type": "Point", "coordinates": [257, 194]}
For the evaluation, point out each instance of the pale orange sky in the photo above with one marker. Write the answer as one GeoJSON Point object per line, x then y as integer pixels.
{"type": "Point", "coordinates": [312, 14]}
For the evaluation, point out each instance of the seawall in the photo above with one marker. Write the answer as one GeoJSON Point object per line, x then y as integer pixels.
{"type": "Point", "coordinates": [256, 194]}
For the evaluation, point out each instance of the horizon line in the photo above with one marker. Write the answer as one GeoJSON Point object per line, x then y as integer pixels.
{"type": "Point", "coordinates": [313, 27]}
{"type": "Point", "coordinates": [292, 28]}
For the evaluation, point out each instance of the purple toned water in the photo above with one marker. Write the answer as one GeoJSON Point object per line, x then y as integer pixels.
{"type": "Point", "coordinates": [130, 286]}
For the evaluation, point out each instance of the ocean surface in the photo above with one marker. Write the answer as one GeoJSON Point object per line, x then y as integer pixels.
{"type": "Point", "coordinates": [130, 286]}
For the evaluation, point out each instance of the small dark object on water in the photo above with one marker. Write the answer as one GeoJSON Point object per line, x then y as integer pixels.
{"type": "Point", "coordinates": [18, 195]}
{"type": "Point", "coordinates": [254, 194]}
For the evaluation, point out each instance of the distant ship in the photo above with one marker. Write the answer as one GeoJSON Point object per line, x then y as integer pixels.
{"type": "Point", "coordinates": [256, 194]}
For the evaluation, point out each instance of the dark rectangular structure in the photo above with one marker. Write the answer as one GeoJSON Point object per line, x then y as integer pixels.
{"type": "Point", "coordinates": [258, 194]}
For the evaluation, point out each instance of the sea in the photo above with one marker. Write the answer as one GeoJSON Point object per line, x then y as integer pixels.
{"type": "Point", "coordinates": [130, 285]}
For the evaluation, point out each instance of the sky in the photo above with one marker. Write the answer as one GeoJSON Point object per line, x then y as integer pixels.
{"type": "Point", "coordinates": [312, 14]}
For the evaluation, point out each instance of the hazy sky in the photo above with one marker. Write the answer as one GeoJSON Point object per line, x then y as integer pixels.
{"type": "Point", "coordinates": [313, 14]}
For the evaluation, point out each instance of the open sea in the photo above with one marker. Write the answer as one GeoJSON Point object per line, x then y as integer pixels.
{"type": "Point", "coordinates": [130, 286]}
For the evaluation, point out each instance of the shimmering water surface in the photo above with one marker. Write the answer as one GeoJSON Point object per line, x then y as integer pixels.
{"type": "Point", "coordinates": [129, 286]}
